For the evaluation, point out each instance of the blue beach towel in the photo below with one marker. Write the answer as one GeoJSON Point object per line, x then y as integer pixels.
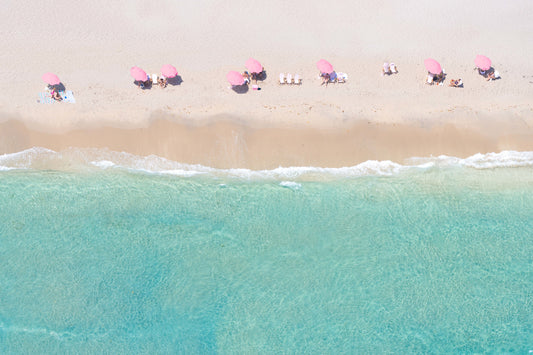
{"type": "Point", "coordinates": [45, 98]}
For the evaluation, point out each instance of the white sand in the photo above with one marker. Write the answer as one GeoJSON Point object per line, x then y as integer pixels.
{"type": "Point", "coordinates": [92, 45]}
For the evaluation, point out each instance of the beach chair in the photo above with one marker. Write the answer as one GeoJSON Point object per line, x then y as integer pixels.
{"type": "Point", "coordinates": [154, 78]}
{"type": "Point", "coordinates": [429, 79]}
{"type": "Point", "coordinates": [289, 78]}
{"type": "Point", "coordinates": [297, 79]}
{"type": "Point", "coordinates": [282, 79]}
{"type": "Point", "coordinates": [386, 69]}
{"type": "Point", "coordinates": [342, 77]}
{"type": "Point", "coordinates": [393, 68]}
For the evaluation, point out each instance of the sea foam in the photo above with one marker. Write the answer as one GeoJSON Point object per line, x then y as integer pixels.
{"type": "Point", "coordinates": [39, 158]}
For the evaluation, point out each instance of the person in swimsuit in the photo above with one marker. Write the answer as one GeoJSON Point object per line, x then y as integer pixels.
{"type": "Point", "coordinates": [246, 77]}
{"type": "Point", "coordinates": [325, 78]}
{"type": "Point", "coordinates": [55, 95]}
{"type": "Point", "coordinates": [456, 83]}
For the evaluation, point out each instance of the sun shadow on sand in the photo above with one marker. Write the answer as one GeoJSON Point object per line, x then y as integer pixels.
{"type": "Point", "coordinates": [240, 89]}
{"type": "Point", "coordinates": [146, 85]}
{"type": "Point", "coordinates": [58, 87]}
{"type": "Point", "coordinates": [177, 80]}
{"type": "Point", "coordinates": [261, 76]}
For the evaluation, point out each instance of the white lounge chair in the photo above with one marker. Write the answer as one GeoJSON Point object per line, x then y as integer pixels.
{"type": "Point", "coordinates": [282, 79]}
{"type": "Point", "coordinates": [154, 78]}
{"type": "Point", "coordinates": [289, 78]}
{"type": "Point", "coordinates": [429, 79]}
{"type": "Point", "coordinates": [386, 69]}
{"type": "Point", "coordinates": [393, 68]}
{"type": "Point", "coordinates": [297, 79]}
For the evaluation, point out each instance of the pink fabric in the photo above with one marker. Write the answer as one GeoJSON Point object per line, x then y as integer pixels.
{"type": "Point", "coordinates": [324, 66]}
{"type": "Point", "coordinates": [138, 74]}
{"type": "Point", "coordinates": [432, 66]}
{"type": "Point", "coordinates": [253, 66]}
{"type": "Point", "coordinates": [482, 62]}
{"type": "Point", "coordinates": [169, 71]}
{"type": "Point", "coordinates": [51, 79]}
{"type": "Point", "coordinates": [235, 78]}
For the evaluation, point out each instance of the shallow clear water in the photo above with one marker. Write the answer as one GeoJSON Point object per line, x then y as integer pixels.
{"type": "Point", "coordinates": [435, 260]}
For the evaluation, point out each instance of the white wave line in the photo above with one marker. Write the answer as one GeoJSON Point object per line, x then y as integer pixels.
{"type": "Point", "coordinates": [37, 157]}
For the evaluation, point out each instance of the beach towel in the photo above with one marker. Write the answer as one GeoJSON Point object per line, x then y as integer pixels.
{"type": "Point", "coordinates": [342, 77]}
{"type": "Point", "coordinates": [68, 96]}
{"type": "Point", "coordinates": [45, 98]}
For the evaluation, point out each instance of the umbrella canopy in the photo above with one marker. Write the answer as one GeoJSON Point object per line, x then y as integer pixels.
{"type": "Point", "coordinates": [235, 78]}
{"type": "Point", "coordinates": [253, 66]}
{"type": "Point", "coordinates": [482, 62]}
{"type": "Point", "coordinates": [324, 66]}
{"type": "Point", "coordinates": [169, 71]}
{"type": "Point", "coordinates": [432, 66]}
{"type": "Point", "coordinates": [138, 74]}
{"type": "Point", "coordinates": [51, 79]}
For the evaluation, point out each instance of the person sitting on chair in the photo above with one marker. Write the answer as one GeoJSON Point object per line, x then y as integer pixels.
{"type": "Point", "coordinates": [246, 77]}
{"type": "Point", "coordinates": [162, 81]}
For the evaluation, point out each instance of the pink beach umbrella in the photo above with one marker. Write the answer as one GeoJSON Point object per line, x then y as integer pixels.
{"type": "Point", "coordinates": [482, 62]}
{"type": "Point", "coordinates": [51, 79]}
{"type": "Point", "coordinates": [253, 66]}
{"type": "Point", "coordinates": [324, 66]}
{"type": "Point", "coordinates": [169, 71]}
{"type": "Point", "coordinates": [138, 74]}
{"type": "Point", "coordinates": [235, 78]}
{"type": "Point", "coordinates": [432, 66]}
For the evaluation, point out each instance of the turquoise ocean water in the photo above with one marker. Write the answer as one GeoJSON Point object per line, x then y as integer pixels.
{"type": "Point", "coordinates": [104, 252]}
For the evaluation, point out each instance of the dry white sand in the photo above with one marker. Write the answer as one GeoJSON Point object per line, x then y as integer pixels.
{"type": "Point", "coordinates": [92, 45]}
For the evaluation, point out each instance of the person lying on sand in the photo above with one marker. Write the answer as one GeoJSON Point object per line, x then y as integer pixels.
{"type": "Point", "coordinates": [162, 81]}
{"type": "Point", "coordinates": [439, 79]}
{"type": "Point", "coordinates": [456, 83]}
{"type": "Point", "coordinates": [490, 76]}
{"type": "Point", "coordinates": [55, 95]}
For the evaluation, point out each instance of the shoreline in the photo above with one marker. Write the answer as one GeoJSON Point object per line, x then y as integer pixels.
{"type": "Point", "coordinates": [223, 142]}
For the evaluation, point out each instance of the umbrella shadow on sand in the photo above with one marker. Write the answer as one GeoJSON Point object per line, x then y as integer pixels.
{"type": "Point", "coordinates": [240, 89]}
{"type": "Point", "coordinates": [174, 81]}
{"type": "Point", "coordinates": [259, 76]}
{"type": "Point", "coordinates": [57, 87]}
{"type": "Point", "coordinates": [145, 84]}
